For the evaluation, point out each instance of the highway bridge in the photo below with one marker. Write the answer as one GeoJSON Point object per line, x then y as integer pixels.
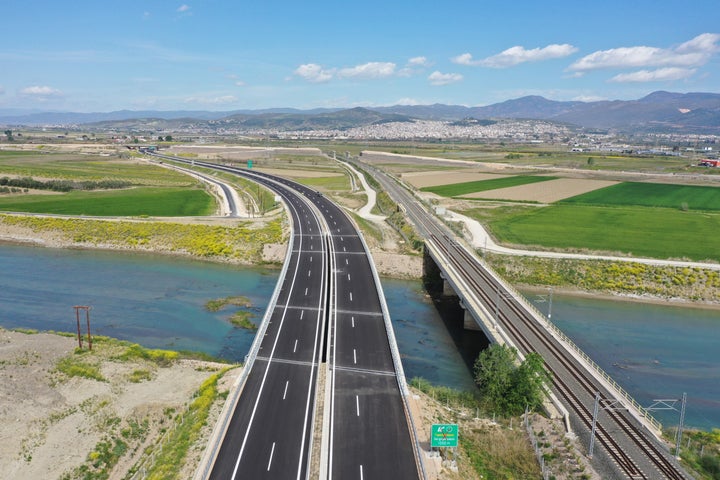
{"type": "Point", "coordinates": [626, 437]}
{"type": "Point", "coordinates": [323, 384]}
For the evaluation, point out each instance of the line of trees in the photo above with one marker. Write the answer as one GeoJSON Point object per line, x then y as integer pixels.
{"type": "Point", "coordinates": [62, 185]}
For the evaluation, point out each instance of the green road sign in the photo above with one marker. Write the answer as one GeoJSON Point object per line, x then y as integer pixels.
{"type": "Point", "coordinates": [249, 163]}
{"type": "Point", "coordinates": [444, 435]}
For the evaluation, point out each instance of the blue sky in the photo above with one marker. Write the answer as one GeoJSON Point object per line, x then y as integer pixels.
{"type": "Point", "coordinates": [90, 56]}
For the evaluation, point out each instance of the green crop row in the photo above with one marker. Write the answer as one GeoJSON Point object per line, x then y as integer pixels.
{"type": "Point", "coordinates": [161, 202]}
{"type": "Point", "coordinates": [684, 197]}
{"type": "Point", "coordinates": [460, 189]}
{"type": "Point", "coordinates": [638, 231]}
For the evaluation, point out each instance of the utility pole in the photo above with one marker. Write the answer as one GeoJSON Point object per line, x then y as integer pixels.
{"type": "Point", "coordinates": [86, 308]}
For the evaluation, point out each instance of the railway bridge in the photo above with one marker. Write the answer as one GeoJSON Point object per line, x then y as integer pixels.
{"type": "Point", "coordinates": [626, 437]}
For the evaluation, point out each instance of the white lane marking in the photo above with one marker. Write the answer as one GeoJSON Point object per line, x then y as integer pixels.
{"type": "Point", "coordinates": [311, 257]}
{"type": "Point", "coordinates": [348, 277]}
{"type": "Point", "coordinates": [306, 290]}
{"type": "Point", "coordinates": [287, 382]}
{"type": "Point", "coordinates": [351, 296]}
{"type": "Point", "coordinates": [272, 452]}
{"type": "Point", "coordinates": [361, 473]}
{"type": "Point", "coordinates": [344, 249]}
{"type": "Point", "coordinates": [295, 347]}
{"type": "Point", "coordinates": [353, 321]}
{"type": "Point", "coordinates": [354, 356]}
{"type": "Point", "coordinates": [302, 312]}
{"type": "Point", "coordinates": [346, 261]}
{"type": "Point", "coordinates": [308, 273]}
{"type": "Point", "coordinates": [342, 239]}
{"type": "Point", "coordinates": [357, 405]}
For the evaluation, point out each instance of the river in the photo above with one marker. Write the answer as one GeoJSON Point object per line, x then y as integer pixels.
{"type": "Point", "coordinates": [653, 351]}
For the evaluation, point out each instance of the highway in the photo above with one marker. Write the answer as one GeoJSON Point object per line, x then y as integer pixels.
{"type": "Point", "coordinates": [623, 444]}
{"type": "Point", "coordinates": [328, 315]}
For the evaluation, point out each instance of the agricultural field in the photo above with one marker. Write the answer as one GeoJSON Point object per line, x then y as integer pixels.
{"type": "Point", "coordinates": [640, 219]}
{"type": "Point", "coordinates": [462, 189]}
{"type": "Point", "coordinates": [150, 201]}
{"type": "Point", "coordinates": [638, 231]}
{"type": "Point", "coordinates": [433, 178]}
{"type": "Point", "coordinates": [67, 166]}
{"type": "Point", "coordinates": [688, 197]}
{"type": "Point", "coordinates": [156, 191]}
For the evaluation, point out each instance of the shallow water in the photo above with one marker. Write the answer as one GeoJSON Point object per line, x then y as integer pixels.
{"type": "Point", "coordinates": [653, 351]}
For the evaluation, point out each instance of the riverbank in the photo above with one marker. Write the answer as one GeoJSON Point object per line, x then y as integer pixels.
{"type": "Point", "coordinates": [67, 413]}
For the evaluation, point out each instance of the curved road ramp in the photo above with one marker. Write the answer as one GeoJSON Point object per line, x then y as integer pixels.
{"type": "Point", "coordinates": [323, 393]}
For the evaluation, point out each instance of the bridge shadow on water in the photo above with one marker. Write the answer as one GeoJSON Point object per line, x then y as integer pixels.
{"type": "Point", "coordinates": [468, 342]}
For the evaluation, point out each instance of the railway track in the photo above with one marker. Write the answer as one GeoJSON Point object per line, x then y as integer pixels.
{"type": "Point", "coordinates": [473, 273]}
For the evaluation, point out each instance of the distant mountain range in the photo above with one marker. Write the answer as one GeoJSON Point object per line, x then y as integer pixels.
{"type": "Point", "coordinates": [659, 111]}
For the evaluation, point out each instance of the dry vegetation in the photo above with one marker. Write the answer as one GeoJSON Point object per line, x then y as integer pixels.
{"type": "Point", "coordinates": [72, 414]}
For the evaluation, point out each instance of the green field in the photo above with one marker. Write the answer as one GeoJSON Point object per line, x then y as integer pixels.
{"type": "Point", "coordinates": [640, 231]}
{"type": "Point", "coordinates": [151, 201]}
{"type": "Point", "coordinates": [87, 167]}
{"type": "Point", "coordinates": [652, 195]}
{"type": "Point", "coordinates": [460, 189]}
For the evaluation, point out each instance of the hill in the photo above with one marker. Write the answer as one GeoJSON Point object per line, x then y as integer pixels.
{"type": "Point", "coordinates": [659, 112]}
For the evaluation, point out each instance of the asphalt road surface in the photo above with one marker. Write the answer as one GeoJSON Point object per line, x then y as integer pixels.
{"type": "Point", "coordinates": [328, 315]}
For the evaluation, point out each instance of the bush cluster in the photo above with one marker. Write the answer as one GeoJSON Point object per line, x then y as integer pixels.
{"type": "Point", "coordinates": [63, 185]}
{"type": "Point", "coordinates": [242, 242]}
{"type": "Point", "coordinates": [627, 278]}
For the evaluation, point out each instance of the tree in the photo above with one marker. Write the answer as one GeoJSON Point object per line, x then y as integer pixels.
{"type": "Point", "coordinates": [506, 386]}
{"type": "Point", "coordinates": [168, 138]}
{"type": "Point", "coordinates": [8, 134]}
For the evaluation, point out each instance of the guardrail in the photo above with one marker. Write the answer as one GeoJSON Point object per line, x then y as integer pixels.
{"type": "Point", "coordinates": [399, 371]}
{"type": "Point", "coordinates": [547, 323]}
{"type": "Point", "coordinates": [219, 432]}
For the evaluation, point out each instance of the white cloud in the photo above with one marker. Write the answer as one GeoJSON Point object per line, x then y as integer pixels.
{"type": "Point", "coordinates": [693, 53]}
{"type": "Point", "coordinates": [465, 59]}
{"type": "Point", "coordinates": [39, 92]}
{"type": "Point", "coordinates": [418, 62]}
{"type": "Point", "coordinates": [436, 78]}
{"type": "Point", "coordinates": [659, 75]}
{"type": "Point", "coordinates": [183, 8]}
{"type": "Point", "coordinates": [368, 70]}
{"type": "Point", "coordinates": [314, 73]}
{"type": "Point", "coordinates": [517, 55]}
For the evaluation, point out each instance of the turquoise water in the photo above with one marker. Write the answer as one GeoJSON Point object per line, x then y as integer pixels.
{"type": "Point", "coordinates": [158, 301]}
{"type": "Point", "coordinates": [652, 351]}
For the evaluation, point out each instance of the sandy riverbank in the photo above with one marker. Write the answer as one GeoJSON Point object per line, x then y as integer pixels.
{"type": "Point", "coordinates": [51, 423]}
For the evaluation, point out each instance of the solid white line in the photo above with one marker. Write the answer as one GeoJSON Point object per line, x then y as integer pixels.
{"type": "Point", "coordinates": [357, 405]}
{"type": "Point", "coordinates": [287, 382]}
{"type": "Point", "coordinates": [267, 369]}
{"type": "Point", "coordinates": [272, 452]}
{"type": "Point", "coordinates": [361, 473]}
